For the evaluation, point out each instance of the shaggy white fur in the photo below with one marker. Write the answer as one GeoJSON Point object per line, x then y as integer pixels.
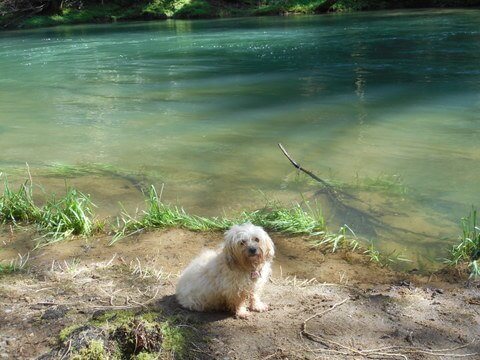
{"type": "Point", "coordinates": [231, 277]}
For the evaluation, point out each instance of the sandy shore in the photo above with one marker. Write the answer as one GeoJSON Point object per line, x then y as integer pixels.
{"type": "Point", "coordinates": [322, 305]}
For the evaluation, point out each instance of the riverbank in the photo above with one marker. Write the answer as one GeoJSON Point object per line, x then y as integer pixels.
{"type": "Point", "coordinates": [33, 14]}
{"type": "Point", "coordinates": [84, 299]}
{"type": "Point", "coordinates": [98, 296]}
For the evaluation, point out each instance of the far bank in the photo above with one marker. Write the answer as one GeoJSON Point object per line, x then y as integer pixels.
{"type": "Point", "coordinates": [17, 14]}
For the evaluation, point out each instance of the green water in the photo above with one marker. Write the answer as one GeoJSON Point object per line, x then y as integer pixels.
{"type": "Point", "coordinates": [200, 107]}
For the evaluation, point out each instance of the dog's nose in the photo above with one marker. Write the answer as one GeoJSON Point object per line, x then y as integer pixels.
{"type": "Point", "coordinates": [252, 250]}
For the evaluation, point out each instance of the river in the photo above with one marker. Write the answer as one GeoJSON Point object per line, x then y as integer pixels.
{"type": "Point", "coordinates": [200, 106]}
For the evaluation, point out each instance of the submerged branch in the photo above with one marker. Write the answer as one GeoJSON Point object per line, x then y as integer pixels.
{"type": "Point", "coordinates": [349, 214]}
{"type": "Point", "coordinates": [329, 189]}
{"type": "Point", "coordinates": [309, 173]}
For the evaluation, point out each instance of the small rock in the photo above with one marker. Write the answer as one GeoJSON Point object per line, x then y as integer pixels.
{"type": "Point", "coordinates": [55, 313]}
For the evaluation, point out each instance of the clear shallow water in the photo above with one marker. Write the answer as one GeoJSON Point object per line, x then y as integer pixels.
{"type": "Point", "coordinates": [200, 106]}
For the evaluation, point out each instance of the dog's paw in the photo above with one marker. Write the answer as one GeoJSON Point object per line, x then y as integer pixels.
{"type": "Point", "coordinates": [242, 313]}
{"type": "Point", "coordinates": [259, 306]}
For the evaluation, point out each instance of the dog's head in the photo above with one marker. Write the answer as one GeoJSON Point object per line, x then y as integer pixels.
{"type": "Point", "coordinates": [248, 246]}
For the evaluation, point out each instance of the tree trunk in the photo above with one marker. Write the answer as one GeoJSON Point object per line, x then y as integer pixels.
{"type": "Point", "coordinates": [54, 7]}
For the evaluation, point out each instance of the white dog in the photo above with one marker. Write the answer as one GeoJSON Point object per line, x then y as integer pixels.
{"type": "Point", "coordinates": [231, 277]}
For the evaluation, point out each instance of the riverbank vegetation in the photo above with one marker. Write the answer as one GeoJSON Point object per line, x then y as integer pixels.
{"type": "Point", "coordinates": [467, 251]}
{"type": "Point", "coordinates": [40, 13]}
{"type": "Point", "coordinates": [57, 219]}
{"type": "Point", "coordinates": [72, 215]}
{"type": "Point", "coordinates": [300, 219]}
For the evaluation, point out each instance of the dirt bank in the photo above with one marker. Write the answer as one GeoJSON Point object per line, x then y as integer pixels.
{"type": "Point", "coordinates": [323, 305]}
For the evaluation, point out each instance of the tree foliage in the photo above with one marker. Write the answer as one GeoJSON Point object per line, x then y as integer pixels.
{"type": "Point", "coordinates": [17, 12]}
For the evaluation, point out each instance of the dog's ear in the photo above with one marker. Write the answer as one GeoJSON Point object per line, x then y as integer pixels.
{"type": "Point", "coordinates": [229, 239]}
{"type": "Point", "coordinates": [270, 248]}
{"type": "Point", "coordinates": [231, 234]}
{"type": "Point", "coordinates": [229, 260]}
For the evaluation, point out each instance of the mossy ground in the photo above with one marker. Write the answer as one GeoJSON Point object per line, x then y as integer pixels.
{"type": "Point", "coordinates": [131, 335]}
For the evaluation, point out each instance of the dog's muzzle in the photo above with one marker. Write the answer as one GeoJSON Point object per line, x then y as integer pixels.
{"type": "Point", "coordinates": [252, 250]}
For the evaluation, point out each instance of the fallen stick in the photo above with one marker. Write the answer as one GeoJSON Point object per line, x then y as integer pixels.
{"type": "Point", "coordinates": [309, 173]}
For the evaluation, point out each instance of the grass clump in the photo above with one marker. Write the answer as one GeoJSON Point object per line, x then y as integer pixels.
{"type": "Point", "coordinates": [273, 217]}
{"type": "Point", "coordinates": [66, 332]}
{"type": "Point", "coordinates": [175, 338]}
{"type": "Point", "coordinates": [468, 248]}
{"type": "Point", "coordinates": [295, 220]}
{"type": "Point", "coordinates": [95, 350]}
{"type": "Point", "coordinates": [14, 265]}
{"type": "Point", "coordinates": [18, 206]}
{"type": "Point", "coordinates": [343, 241]}
{"type": "Point", "coordinates": [57, 219]}
{"type": "Point", "coordinates": [6, 268]}
{"type": "Point", "coordinates": [160, 215]}
{"type": "Point", "coordinates": [384, 259]}
{"type": "Point", "coordinates": [69, 215]}
{"type": "Point", "coordinates": [138, 336]}
{"type": "Point", "coordinates": [337, 241]}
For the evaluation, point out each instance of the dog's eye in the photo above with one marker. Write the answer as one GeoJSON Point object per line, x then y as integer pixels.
{"type": "Point", "coordinates": [256, 240]}
{"type": "Point", "coordinates": [243, 242]}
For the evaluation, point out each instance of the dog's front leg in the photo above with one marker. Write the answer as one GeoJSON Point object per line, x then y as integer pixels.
{"type": "Point", "coordinates": [241, 312]}
{"type": "Point", "coordinates": [256, 304]}
{"type": "Point", "coordinates": [240, 307]}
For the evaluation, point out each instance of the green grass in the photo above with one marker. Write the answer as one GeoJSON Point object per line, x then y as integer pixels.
{"type": "Point", "coordinates": [337, 241]}
{"type": "Point", "coordinates": [15, 265]}
{"type": "Point", "coordinates": [95, 350]}
{"type": "Point", "coordinates": [175, 338]}
{"type": "Point", "coordinates": [56, 220]}
{"type": "Point", "coordinates": [297, 220]}
{"type": "Point", "coordinates": [72, 214]}
{"type": "Point", "coordinates": [346, 240]}
{"type": "Point", "coordinates": [129, 334]}
{"type": "Point", "coordinates": [468, 248]}
{"type": "Point", "coordinates": [18, 206]}
{"type": "Point", "coordinates": [378, 257]}
{"type": "Point", "coordinates": [69, 215]}
{"type": "Point", "coordinates": [294, 220]}
{"type": "Point", "coordinates": [7, 268]}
